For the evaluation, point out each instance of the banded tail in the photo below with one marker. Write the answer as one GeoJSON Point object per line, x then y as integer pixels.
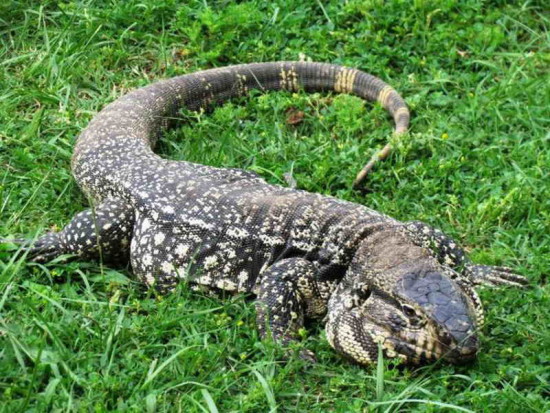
{"type": "Point", "coordinates": [142, 113]}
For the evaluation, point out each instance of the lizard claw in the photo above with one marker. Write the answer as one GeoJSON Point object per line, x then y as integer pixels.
{"type": "Point", "coordinates": [44, 249]}
{"type": "Point", "coordinates": [21, 244]}
{"type": "Point", "coordinates": [308, 356]}
{"type": "Point", "coordinates": [495, 276]}
{"type": "Point", "coordinates": [16, 241]}
{"type": "Point", "coordinates": [303, 354]}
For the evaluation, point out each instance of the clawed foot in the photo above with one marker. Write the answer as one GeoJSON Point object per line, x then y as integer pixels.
{"type": "Point", "coordinates": [44, 249]}
{"type": "Point", "coordinates": [303, 354]}
{"type": "Point", "coordinates": [308, 356]}
{"type": "Point", "coordinates": [495, 276]}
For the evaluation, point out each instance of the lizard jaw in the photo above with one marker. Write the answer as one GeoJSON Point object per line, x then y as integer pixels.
{"type": "Point", "coordinates": [358, 330]}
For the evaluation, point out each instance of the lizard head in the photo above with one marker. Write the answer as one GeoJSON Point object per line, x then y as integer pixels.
{"type": "Point", "coordinates": [415, 309]}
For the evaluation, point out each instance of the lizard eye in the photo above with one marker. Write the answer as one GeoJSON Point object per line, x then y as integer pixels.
{"type": "Point", "coordinates": [363, 293]}
{"type": "Point", "coordinates": [414, 318]}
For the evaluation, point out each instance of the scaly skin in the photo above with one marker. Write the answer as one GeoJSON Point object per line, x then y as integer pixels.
{"type": "Point", "coordinates": [404, 286]}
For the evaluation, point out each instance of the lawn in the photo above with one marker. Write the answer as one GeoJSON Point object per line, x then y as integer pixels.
{"type": "Point", "coordinates": [476, 163]}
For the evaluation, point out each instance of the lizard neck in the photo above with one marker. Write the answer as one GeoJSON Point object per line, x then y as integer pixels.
{"type": "Point", "coordinates": [348, 234]}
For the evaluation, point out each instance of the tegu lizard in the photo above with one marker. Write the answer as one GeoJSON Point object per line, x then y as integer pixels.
{"type": "Point", "coordinates": [376, 282]}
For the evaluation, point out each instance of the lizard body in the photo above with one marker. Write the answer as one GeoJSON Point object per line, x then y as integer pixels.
{"type": "Point", "coordinates": [378, 281]}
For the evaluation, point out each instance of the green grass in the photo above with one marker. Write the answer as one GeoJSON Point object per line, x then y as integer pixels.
{"type": "Point", "coordinates": [76, 336]}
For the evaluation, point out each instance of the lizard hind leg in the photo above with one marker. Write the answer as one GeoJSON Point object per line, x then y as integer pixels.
{"type": "Point", "coordinates": [101, 233]}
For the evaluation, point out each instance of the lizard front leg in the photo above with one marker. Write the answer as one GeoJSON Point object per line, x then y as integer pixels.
{"type": "Point", "coordinates": [102, 233]}
{"type": "Point", "coordinates": [288, 292]}
{"type": "Point", "coordinates": [449, 253]}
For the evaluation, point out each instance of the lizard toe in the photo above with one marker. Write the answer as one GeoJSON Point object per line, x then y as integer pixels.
{"type": "Point", "coordinates": [495, 276]}
{"type": "Point", "coordinates": [307, 356]}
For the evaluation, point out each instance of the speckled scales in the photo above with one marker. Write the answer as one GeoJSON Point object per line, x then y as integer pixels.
{"type": "Point", "coordinates": [405, 287]}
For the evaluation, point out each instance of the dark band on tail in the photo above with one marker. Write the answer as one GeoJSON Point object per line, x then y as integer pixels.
{"type": "Point", "coordinates": [140, 114]}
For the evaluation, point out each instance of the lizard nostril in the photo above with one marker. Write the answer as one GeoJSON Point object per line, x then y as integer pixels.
{"type": "Point", "coordinates": [446, 338]}
{"type": "Point", "coordinates": [470, 344]}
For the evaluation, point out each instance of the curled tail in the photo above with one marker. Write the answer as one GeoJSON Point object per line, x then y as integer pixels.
{"type": "Point", "coordinates": [141, 113]}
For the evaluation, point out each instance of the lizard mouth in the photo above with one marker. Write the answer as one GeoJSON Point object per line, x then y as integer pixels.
{"type": "Point", "coordinates": [430, 333]}
{"type": "Point", "coordinates": [427, 317]}
{"type": "Point", "coordinates": [416, 354]}
{"type": "Point", "coordinates": [426, 348]}
{"type": "Point", "coordinates": [420, 346]}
